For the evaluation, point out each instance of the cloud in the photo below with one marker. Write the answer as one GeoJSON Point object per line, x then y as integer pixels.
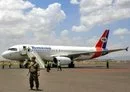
{"type": "Point", "coordinates": [23, 22]}
{"type": "Point", "coordinates": [15, 20]}
{"type": "Point", "coordinates": [44, 21]}
{"type": "Point", "coordinates": [74, 1]}
{"type": "Point", "coordinates": [101, 12]}
{"type": "Point", "coordinates": [79, 28]}
{"type": "Point", "coordinates": [15, 4]}
{"type": "Point", "coordinates": [121, 31]}
{"type": "Point", "coordinates": [64, 33]}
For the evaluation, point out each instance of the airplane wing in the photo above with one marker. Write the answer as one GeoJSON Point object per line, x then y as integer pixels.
{"type": "Point", "coordinates": [104, 52]}
{"type": "Point", "coordinates": [38, 58]}
{"type": "Point", "coordinates": [75, 55]}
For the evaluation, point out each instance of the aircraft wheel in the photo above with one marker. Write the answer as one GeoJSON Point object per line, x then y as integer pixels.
{"type": "Point", "coordinates": [71, 65]}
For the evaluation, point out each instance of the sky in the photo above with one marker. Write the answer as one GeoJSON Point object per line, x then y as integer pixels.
{"type": "Point", "coordinates": [65, 22]}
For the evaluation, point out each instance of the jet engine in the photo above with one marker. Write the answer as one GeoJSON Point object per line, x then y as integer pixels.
{"type": "Point", "coordinates": [63, 60]}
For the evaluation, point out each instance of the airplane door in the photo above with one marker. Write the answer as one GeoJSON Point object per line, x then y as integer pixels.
{"type": "Point", "coordinates": [24, 50]}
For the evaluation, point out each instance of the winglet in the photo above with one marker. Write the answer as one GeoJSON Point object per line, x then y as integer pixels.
{"type": "Point", "coordinates": [126, 48]}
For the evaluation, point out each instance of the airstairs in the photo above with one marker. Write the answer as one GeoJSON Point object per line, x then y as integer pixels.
{"type": "Point", "coordinates": [27, 51]}
{"type": "Point", "coordinates": [31, 54]}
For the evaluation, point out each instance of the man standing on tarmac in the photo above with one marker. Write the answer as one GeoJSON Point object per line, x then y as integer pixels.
{"type": "Point", "coordinates": [48, 67]}
{"type": "Point", "coordinates": [34, 73]}
{"type": "Point", "coordinates": [59, 66]}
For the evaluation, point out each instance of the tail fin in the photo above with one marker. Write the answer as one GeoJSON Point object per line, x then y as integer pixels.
{"type": "Point", "coordinates": [103, 40]}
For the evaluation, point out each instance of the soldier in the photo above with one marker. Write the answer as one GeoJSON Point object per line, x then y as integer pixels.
{"type": "Point", "coordinates": [34, 73]}
{"type": "Point", "coordinates": [48, 66]}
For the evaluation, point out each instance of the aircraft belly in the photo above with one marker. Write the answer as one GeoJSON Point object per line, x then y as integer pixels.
{"type": "Point", "coordinates": [84, 57]}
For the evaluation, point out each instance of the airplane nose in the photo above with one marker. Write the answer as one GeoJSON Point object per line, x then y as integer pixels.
{"type": "Point", "coordinates": [5, 54]}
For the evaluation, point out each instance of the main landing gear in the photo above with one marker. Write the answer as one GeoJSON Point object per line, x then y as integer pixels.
{"type": "Point", "coordinates": [71, 65]}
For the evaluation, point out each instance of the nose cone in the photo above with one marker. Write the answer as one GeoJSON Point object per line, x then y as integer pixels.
{"type": "Point", "coordinates": [5, 54]}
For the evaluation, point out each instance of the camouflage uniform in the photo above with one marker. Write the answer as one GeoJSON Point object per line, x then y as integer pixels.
{"type": "Point", "coordinates": [33, 70]}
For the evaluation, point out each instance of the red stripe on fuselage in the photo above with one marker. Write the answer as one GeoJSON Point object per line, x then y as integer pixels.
{"type": "Point", "coordinates": [97, 53]}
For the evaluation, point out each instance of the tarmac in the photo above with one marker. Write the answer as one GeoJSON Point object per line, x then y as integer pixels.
{"type": "Point", "coordinates": [84, 78]}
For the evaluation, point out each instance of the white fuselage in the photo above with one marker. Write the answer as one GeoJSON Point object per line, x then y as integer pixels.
{"type": "Point", "coordinates": [47, 52]}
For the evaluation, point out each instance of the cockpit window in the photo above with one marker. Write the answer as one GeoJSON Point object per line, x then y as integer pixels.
{"type": "Point", "coordinates": [13, 49]}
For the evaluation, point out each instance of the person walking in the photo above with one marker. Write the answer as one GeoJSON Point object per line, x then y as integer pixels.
{"type": "Point", "coordinates": [10, 64]}
{"type": "Point", "coordinates": [3, 65]}
{"type": "Point", "coordinates": [59, 66]}
{"type": "Point", "coordinates": [107, 64]}
{"type": "Point", "coordinates": [48, 66]}
{"type": "Point", "coordinates": [34, 73]}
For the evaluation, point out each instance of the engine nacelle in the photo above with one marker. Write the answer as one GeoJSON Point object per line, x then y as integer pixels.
{"type": "Point", "coordinates": [63, 60]}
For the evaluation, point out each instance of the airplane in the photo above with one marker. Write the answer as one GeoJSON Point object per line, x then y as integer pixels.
{"type": "Point", "coordinates": [65, 54]}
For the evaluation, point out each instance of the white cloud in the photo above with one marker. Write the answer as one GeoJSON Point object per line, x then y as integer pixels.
{"type": "Point", "coordinates": [15, 4]}
{"type": "Point", "coordinates": [121, 32]}
{"type": "Point", "coordinates": [22, 22]}
{"type": "Point", "coordinates": [100, 12]}
{"type": "Point", "coordinates": [87, 6]}
{"type": "Point", "coordinates": [74, 1]}
{"type": "Point", "coordinates": [44, 21]}
{"type": "Point", "coordinates": [64, 33]}
{"type": "Point", "coordinates": [79, 28]}
{"type": "Point", "coordinates": [14, 20]}
{"type": "Point", "coordinates": [123, 3]}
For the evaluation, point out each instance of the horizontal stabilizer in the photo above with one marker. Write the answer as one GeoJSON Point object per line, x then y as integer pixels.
{"type": "Point", "coordinates": [114, 50]}
{"type": "Point", "coordinates": [126, 48]}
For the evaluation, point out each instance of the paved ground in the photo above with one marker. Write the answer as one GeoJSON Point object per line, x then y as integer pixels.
{"type": "Point", "coordinates": [84, 78]}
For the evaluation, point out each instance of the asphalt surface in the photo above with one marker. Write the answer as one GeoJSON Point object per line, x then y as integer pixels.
{"type": "Point", "coordinates": [84, 78]}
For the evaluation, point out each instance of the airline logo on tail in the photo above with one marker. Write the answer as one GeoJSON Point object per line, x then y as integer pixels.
{"type": "Point", "coordinates": [103, 40]}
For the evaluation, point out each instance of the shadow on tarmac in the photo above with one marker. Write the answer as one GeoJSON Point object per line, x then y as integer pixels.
{"type": "Point", "coordinates": [36, 90]}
